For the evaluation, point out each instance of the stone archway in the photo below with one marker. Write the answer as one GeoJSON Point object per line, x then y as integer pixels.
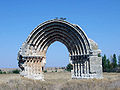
{"type": "Point", "coordinates": [83, 52]}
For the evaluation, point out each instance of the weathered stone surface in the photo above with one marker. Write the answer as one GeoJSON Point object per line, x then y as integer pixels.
{"type": "Point", "coordinates": [96, 66]}
{"type": "Point", "coordinates": [93, 44]}
{"type": "Point", "coordinates": [83, 51]}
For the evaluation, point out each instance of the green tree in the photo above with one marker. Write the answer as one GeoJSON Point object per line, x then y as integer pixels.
{"type": "Point", "coordinates": [108, 66]}
{"type": "Point", "coordinates": [114, 61]}
{"type": "Point", "coordinates": [69, 67]}
{"type": "Point", "coordinates": [104, 63]}
{"type": "Point", "coordinates": [0, 71]}
{"type": "Point", "coordinates": [99, 55]}
{"type": "Point", "coordinates": [119, 60]}
{"type": "Point", "coordinates": [3, 72]}
{"type": "Point", "coordinates": [16, 71]}
{"type": "Point", "coordinates": [111, 64]}
{"type": "Point", "coordinates": [45, 71]}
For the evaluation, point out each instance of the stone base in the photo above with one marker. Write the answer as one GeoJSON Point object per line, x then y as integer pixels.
{"type": "Point", "coordinates": [96, 66]}
{"type": "Point", "coordinates": [33, 76]}
{"type": "Point", "coordinates": [86, 76]}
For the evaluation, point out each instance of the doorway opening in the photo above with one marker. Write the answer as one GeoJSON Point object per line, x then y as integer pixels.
{"type": "Point", "coordinates": [57, 57]}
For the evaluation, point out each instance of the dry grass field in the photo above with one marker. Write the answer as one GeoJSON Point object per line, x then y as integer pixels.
{"type": "Point", "coordinates": [59, 81]}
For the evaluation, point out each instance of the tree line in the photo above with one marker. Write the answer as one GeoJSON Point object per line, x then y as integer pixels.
{"type": "Point", "coordinates": [16, 71]}
{"type": "Point", "coordinates": [111, 64]}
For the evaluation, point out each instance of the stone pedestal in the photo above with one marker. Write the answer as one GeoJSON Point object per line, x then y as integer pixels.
{"type": "Point", "coordinates": [32, 67]}
{"type": "Point", "coordinates": [96, 66]}
{"type": "Point", "coordinates": [87, 67]}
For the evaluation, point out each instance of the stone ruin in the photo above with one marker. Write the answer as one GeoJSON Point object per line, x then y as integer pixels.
{"type": "Point", "coordinates": [83, 52]}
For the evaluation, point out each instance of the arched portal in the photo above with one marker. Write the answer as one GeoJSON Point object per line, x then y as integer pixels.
{"type": "Point", "coordinates": [57, 55]}
{"type": "Point", "coordinates": [32, 55]}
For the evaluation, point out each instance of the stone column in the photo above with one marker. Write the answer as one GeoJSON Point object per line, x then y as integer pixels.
{"type": "Point", "coordinates": [80, 68]}
{"type": "Point", "coordinates": [32, 67]}
{"type": "Point", "coordinates": [28, 71]}
{"type": "Point", "coordinates": [77, 69]}
{"type": "Point", "coordinates": [74, 69]}
{"type": "Point", "coordinates": [87, 68]}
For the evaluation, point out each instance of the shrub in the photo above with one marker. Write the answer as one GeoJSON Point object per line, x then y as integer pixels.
{"type": "Point", "coordinates": [16, 71]}
{"type": "Point", "coordinates": [45, 71]}
{"type": "Point", "coordinates": [3, 72]}
{"type": "Point", "coordinates": [55, 70]}
{"type": "Point", "coordinates": [0, 72]}
{"type": "Point", "coordinates": [69, 67]}
{"type": "Point", "coordinates": [99, 55]}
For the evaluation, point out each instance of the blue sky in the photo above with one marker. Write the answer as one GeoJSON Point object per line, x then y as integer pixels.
{"type": "Point", "coordinates": [100, 19]}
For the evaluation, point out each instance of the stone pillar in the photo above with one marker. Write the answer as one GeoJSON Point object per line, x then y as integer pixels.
{"type": "Point", "coordinates": [87, 68]}
{"type": "Point", "coordinates": [77, 69]}
{"type": "Point", "coordinates": [96, 66]}
{"type": "Point", "coordinates": [80, 68]}
{"type": "Point", "coordinates": [74, 69]}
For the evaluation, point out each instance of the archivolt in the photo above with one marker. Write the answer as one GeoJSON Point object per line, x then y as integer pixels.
{"type": "Point", "coordinates": [32, 54]}
{"type": "Point", "coordinates": [72, 36]}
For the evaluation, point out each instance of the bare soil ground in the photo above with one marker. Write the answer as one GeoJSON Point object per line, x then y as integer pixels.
{"type": "Point", "coordinates": [59, 81]}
